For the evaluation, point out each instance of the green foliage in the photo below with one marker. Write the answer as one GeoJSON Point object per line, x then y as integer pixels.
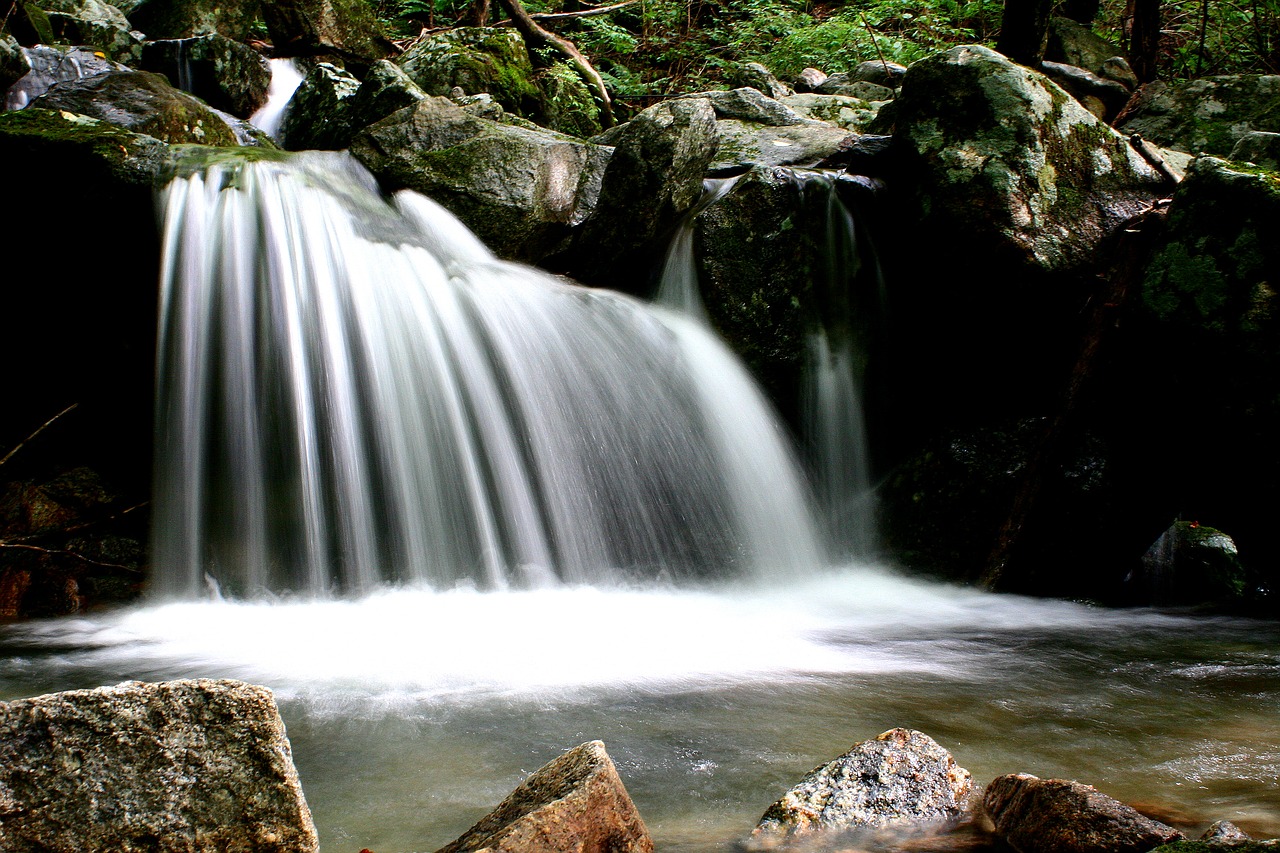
{"type": "Point", "coordinates": [1200, 38]}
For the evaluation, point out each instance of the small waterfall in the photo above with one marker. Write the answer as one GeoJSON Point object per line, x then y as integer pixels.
{"type": "Point", "coordinates": [352, 392]}
{"type": "Point", "coordinates": [285, 79]}
{"type": "Point", "coordinates": [849, 294]}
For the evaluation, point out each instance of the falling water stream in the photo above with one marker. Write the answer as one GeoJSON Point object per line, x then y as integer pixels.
{"type": "Point", "coordinates": [473, 516]}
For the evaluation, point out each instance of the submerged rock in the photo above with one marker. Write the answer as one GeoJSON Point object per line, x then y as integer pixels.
{"type": "Point", "coordinates": [901, 777]}
{"type": "Point", "coordinates": [1206, 116]}
{"type": "Point", "coordinates": [1055, 816]}
{"type": "Point", "coordinates": [574, 804]}
{"type": "Point", "coordinates": [519, 189]}
{"type": "Point", "coordinates": [182, 765]}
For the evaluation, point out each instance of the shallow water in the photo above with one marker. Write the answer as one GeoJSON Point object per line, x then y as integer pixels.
{"type": "Point", "coordinates": [413, 712]}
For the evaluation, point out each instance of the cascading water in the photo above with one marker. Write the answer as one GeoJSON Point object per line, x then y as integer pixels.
{"type": "Point", "coordinates": [285, 79]}
{"type": "Point", "coordinates": [352, 392]}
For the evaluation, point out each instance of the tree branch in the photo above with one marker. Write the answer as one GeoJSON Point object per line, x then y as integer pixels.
{"type": "Point", "coordinates": [42, 428]}
{"type": "Point", "coordinates": [534, 33]}
{"type": "Point", "coordinates": [583, 13]}
{"type": "Point", "coordinates": [63, 553]}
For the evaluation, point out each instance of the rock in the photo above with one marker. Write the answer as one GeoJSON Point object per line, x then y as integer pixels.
{"type": "Point", "coordinates": [520, 190]}
{"type": "Point", "coordinates": [141, 102]}
{"type": "Point", "coordinates": [845, 84]}
{"type": "Point", "coordinates": [477, 59]}
{"type": "Point", "coordinates": [574, 804]}
{"type": "Point", "coordinates": [386, 89]}
{"type": "Point", "coordinates": [653, 177]}
{"type": "Point", "coordinates": [1055, 816]}
{"type": "Point", "coordinates": [195, 765]}
{"type": "Point", "coordinates": [14, 64]}
{"type": "Point", "coordinates": [809, 80]}
{"type": "Point", "coordinates": [94, 24]}
{"type": "Point", "coordinates": [225, 74]}
{"type": "Point", "coordinates": [755, 76]}
{"type": "Point", "coordinates": [50, 65]}
{"type": "Point", "coordinates": [750, 105]}
{"type": "Point", "coordinates": [1270, 846]}
{"type": "Point", "coordinates": [318, 114]}
{"type": "Point", "coordinates": [887, 74]}
{"type": "Point", "coordinates": [749, 144]}
{"type": "Point", "coordinates": [1073, 43]}
{"type": "Point", "coordinates": [1112, 96]}
{"type": "Point", "coordinates": [28, 24]}
{"type": "Point", "coordinates": [568, 106]}
{"type": "Point", "coordinates": [180, 19]}
{"type": "Point", "coordinates": [901, 777]}
{"type": "Point", "coordinates": [1117, 68]}
{"type": "Point", "coordinates": [1206, 116]}
{"type": "Point", "coordinates": [347, 29]}
{"type": "Point", "coordinates": [851, 114]}
{"type": "Point", "coordinates": [1224, 832]}
{"type": "Point", "coordinates": [999, 159]}
{"type": "Point", "coordinates": [1193, 564]}
{"type": "Point", "coordinates": [1260, 148]}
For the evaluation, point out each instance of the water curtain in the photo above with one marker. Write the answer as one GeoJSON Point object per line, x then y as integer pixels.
{"type": "Point", "coordinates": [353, 390]}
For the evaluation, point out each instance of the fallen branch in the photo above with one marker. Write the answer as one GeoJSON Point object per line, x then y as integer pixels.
{"type": "Point", "coordinates": [582, 13]}
{"type": "Point", "coordinates": [52, 552]}
{"type": "Point", "coordinates": [1153, 157]}
{"type": "Point", "coordinates": [42, 428]}
{"type": "Point", "coordinates": [537, 35]}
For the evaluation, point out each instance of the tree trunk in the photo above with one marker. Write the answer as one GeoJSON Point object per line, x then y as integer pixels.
{"type": "Point", "coordinates": [1024, 30]}
{"type": "Point", "coordinates": [1144, 39]}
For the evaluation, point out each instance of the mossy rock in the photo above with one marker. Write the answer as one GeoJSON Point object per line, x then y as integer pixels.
{"type": "Point", "coordinates": [144, 103]}
{"type": "Point", "coordinates": [475, 59]}
{"type": "Point", "coordinates": [95, 24]}
{"type": "Point", "coordinates": [568, 106]}
{"type": "Point", "coordinates": [13, 62]}
{"type": "Point", "coordinates": [1206, 116]}
{"type": "Point", "coordinates": [28, 24]}
{"type": "Point", "coordinates": [225, 74]}
{"type": "Point", "coordinates": [1000, 159]}
{"type": "Point", "coordinates": [347, 29]}
{"type": "Point", "coordinates": [386, 89]}
{"type": "Point", "coordinates": [851, 114]}
{"type": "Point", "coordinates": [318, 114]}
{"type": "Point", "coordinates": [180, 19]}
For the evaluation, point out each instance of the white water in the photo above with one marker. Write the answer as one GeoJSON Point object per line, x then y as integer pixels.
{"type": "Point", "coordinates": [285, 79]}
{"type": "Point", "coordinates": [352, 392]}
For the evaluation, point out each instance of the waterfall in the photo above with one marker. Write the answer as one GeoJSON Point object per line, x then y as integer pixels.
{"type": "Point", "coordinates": [849, 295]}
{"type": "Point", "coordinates": [285, 79]}
{"type": "Point", "coordinates": [353, 390]}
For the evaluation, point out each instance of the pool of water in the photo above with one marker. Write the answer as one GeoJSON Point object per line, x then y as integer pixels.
{"type": "Point", "coordinates": [412, 712]}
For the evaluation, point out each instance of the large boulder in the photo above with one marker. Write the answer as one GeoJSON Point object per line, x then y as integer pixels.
{"type": "Point", "coordinates": [476, 60]}
{"type": "Point", "coordinates": [902, 777]}
{"type": "Point", "coordinates": [180, 19]}
{"type": "Point", "coordinates": [225, 74]}
{"type": "Point", "coordinates": [345, 29]}
{"type": "Point", "coordinates": [182, 765]}
{"type": "Point", "coordinates": [94, 24]}
{"type": "Point", "coordinates": [519, 189]}
{"type": "Point", "coordinates": [142, 102]}
{"type": "Point", "coordinates": [1205, 116]}
{"type": "Point", "coordinates": [1192, 563]}
{"type": "Point", "coordinates": [1055, 816]}
{"type": "Point", "coordinates": [574, 804]}
{"type": "Point", "coordinates": [385, 89]}
{"type": "Point", "coordinates": [1001, 161]}
{"type": "Point", "coordinates": [654, 176]}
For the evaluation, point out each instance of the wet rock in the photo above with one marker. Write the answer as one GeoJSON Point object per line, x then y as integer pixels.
{"type": "Point", "coordinates": [1193, 564]}
{"type": "Point", "coordinates": [180, 19]}
{"type": "Point", "coordinates": [887, 74]}
{"type": "Point", "coordinates": [141, 102]}
{"type": "Point", "coordinates": [755, 76]}
{"type": "Point", "coordinates": [574, 804]}
{"type": "Point", "coordinates": [1260, 148]}
{"type": "Point", "coordinates": [809, 80]}
{"type": "Point", "coordinates": [1269, 846]}
{"type": "Point", "coordinates": [94, 24]}
{"type": "Point", "coordinates": [1225, 832]}
{"type": "Point", "coordinates": [901, 777]}
{"type": "Point", "coordinates": [654, 175]}
{"type": "Point", "coordinates": [997, 158]}
{"type": "Point", "coordinates": [1055, 816]}
{"type": "Point", "coordinates": [346, 29]}
{"type": "Point", "coordinates": [225, 74]}
{"type": "Point", "coordinates": [476, 59]}
{"type": "Point", "coordinates": [851, 114]}
{"type": "Point", "coordinates": [318, 114]}
{"type": "Point", "coordinates": [14, 64]}
{"type": "Point", "coordinates": [1206, 116]}
{"type": "Point", "coordinates": [192, 765]}
{"type": "Point", "coordinates": [50, 65]}
{"type": "Point", "coordinates": [519, 189]}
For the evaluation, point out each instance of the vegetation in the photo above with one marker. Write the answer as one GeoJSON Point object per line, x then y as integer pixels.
{"type": "Point", "coordinates": [651, 48]}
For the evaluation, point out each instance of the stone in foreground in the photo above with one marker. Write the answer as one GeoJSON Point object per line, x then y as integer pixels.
{"type": "Point", "coordinates": [197, 765]}
{"type": "Point", "coordinates": [901, 777]}
{"type": "Point", "coordinates": [575, 804]}
{"type": "Point", "coordinates": [1056, 816]}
